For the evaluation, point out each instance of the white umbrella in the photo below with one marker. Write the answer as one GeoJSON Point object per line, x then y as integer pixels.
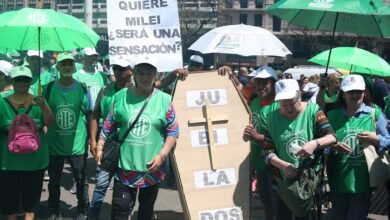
{"type": "Point", "coordinates": [241, 39]}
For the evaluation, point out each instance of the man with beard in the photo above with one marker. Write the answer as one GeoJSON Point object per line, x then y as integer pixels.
{"type": "Point", "coordinates": [70, 103]}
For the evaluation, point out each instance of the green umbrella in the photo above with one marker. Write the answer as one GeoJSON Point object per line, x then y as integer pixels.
{"type": "Point", "coordinates": [45, 29]}
{"type": "Point", "coordinates": [367, 17]}
{"type": "Point", "coordinates": [355, 16]}
{"type": "Point", "coordinates": [355, 60]}
{"type": "Point", "coordinates": [9, 52]}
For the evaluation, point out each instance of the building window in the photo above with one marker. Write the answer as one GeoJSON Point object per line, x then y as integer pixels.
{"type": "Point", "coordinates": [276, 26]}
{"type": "Point", "coordinates": [229, 3]}
{"type": "Point", "coordinates": [259, 20]}
{"type": "Point", "coordinates": [244, 3]}
{"type": "Point", "coordinates": [259, 3]}
{"type": "Point", "coordinates": [243, 18]}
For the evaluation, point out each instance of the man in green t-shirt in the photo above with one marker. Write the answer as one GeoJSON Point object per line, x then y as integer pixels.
{"type": "Point", "coordinates": [35, 62]}
{"type": "Point", "coordinates": [66, 139]}
{"type": "Point", "coordinates": [90, 75]}
{"type": "Point", "coordinates": [265, 78]}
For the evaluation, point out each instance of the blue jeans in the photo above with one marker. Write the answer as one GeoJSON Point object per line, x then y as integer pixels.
{"type": "Point", "coordinates": [103, 179]}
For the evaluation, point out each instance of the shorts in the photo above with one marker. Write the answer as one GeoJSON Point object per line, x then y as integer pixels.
{"type": "Point", "coordinates": [20, 188]}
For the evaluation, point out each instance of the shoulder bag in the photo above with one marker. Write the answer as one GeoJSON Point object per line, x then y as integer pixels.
{"type": "Point", "coordinates": [111, 147]}
{"type": "Point", "coordinates": [378, 165]}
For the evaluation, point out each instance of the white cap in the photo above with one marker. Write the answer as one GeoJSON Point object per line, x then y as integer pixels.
{"type": "Point", "coordinates": [74, 52]}
{"type": "Point", "coordinates": [148, 60]}
{"type": "Point", "coordinates": [89, 51]}
{"type": "Point", "coordinates": [286, 89]}
{"type": "Point", "coordinates": [253, 73]}
{"type": "Point", "coordinates": [196, 58]}
{"type": "Point", "coordinates": [37, 53]}
{"type": "Point", "coordinates": [353, 82]}
{"type": "Point", "coordinates": [121, 61]}
{"type": "Point", "coordinates": [265, 72]}
{"type": "Point", "coordinates": [5, 67]}
{"type": "Point", "coordinates": [312, 87]}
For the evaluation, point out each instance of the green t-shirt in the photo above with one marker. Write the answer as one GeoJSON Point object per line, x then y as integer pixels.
{"type": "Point", "coordinates": [105, 99]}
{"type": "Point", "coordinates": [349, 173]}
{"type": "Point", "coordinates": [257, 162]}
{"type": "Point", "coordinates": [259, 116]}
{"type": "Point", "coordinates": [146, 139]}
{"type": "Point", "coordinates": [264, 113]}
{"type": "Point", "coordinates": [288, 134]}
{"type": "Point", "coordinates": [46, 77]}
{"type": "Point", "coordinates": [330, 99]}
{"type": "Point", "coordinates": [68, 135]}
{"type": "Point", "coordinates": [94, 82]}
{"type": "Point", "coordinates": [29, 162]}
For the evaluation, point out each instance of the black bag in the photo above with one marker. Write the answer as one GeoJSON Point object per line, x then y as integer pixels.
{"type": "Point", "coordinates": [111, 147]}
{"type": "Point", "coordinates": [111, 154]}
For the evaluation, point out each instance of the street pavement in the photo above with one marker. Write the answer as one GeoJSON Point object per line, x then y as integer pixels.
{"type": "Point", "coordinates": [167, 207]}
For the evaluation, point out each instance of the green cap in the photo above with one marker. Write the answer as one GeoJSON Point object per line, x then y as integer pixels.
{"type": "Point", "coordinates": [20, 71]}
{"type": "Point", "coordinates": [64, 56]}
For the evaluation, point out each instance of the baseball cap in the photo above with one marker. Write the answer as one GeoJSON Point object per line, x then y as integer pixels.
{"type": "Point", "coordinates": [5, 67]}
{"type": "Point", "coordinates": [196, 58]}
{"type": "Point", "coordinates": [286, 89]}
{"type": "Point", "coordinates": [122, 62]}
{"type": "Point", "coordinates": [32, 53]}
{"type": "Point", "coordinates": [146, 60]}
{"type": "Point", "coordinates": [352, 82]}
{"type": "Point", "coordinates": [89, 51]}
{"type": "Point", "coordinates": [64, 56]}
{"type": "Point", "coordinates": [20, 71]}
{"type": "Point", "coordinates": [265, 72]}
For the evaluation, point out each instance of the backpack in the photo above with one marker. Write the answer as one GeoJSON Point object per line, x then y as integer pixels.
{"type": "Point", "coordinates": [23, 134]}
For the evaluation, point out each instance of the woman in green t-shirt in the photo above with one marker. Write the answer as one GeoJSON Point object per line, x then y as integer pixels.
{"type": "Point", "coordinates": [294, 130]}
{"type": "Point", "coordinates": [354, 123]}
{"type": "Point", "coordinates": [22, 174]}
{"type": "Point", "coordinates": [143, 152]}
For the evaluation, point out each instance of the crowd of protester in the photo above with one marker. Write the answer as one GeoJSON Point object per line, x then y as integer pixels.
{"type": "Point", "coordinates": [77, 103]}
{"type": "Point", "coordinates": [291, 119]}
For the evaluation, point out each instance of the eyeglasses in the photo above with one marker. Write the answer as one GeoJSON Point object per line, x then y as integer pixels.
{"type": "Point", "coordinates": [359, 92]}
{"type": "Point", "coordinates": [22, 79]}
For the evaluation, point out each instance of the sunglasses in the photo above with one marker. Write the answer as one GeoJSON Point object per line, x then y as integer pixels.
{"type": "Point", "coordinates": [355, 92]}
{"type": "Point", "coordinates": [22, 79]}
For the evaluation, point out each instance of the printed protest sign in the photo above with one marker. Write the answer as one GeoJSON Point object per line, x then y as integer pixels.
{"type": "Point", "coordinates": [143, 29]}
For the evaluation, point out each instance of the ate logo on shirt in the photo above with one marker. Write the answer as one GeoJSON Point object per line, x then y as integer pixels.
{"type": "Point", "coordinates": [142, 127]}
{"type": "Point", "coordinates": [353, 142]}
{"type": "Point", "coordinates": [294, 145]}
{"type": "Point", "coordinates": [65, 118]}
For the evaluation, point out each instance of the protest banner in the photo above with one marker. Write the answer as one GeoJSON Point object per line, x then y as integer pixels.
{"type": "Point", "coordinates": [145, 28]}
{"type": "Point", "coordinates": [210, 159]}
